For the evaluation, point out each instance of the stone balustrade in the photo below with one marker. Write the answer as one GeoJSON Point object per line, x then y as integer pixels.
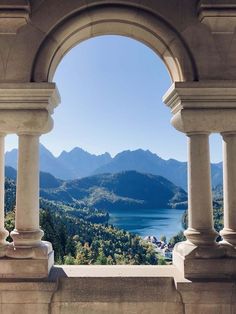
{"type": "Point", "coordinates": [198, 110]}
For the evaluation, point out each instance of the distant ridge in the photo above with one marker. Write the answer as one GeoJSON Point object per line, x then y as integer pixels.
{"type": "Point", "coordinates": [47, 180]}
{"type": "Point", "coordinates": [124, 190]}
{"type": "Point", "coordinates": [78, 164]}
{"type": "Point", "coordinates": [81, 163]}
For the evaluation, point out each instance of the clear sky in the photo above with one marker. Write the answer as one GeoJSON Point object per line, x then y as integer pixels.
{"type": "Point", "coordinates": [111, 89]}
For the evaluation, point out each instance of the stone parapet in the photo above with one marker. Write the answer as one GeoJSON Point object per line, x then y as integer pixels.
{"type": "Point", "coordinates": [118, 290]}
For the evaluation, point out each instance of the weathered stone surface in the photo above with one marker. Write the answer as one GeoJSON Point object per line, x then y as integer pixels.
{"type": "Point", "coordinates": [124, 289]}
{"type": "Point", "coordinates": [22, 268]}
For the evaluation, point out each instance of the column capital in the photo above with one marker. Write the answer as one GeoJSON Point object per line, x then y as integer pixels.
{"type": "Point", "coordinates": [189, 134]}
{"type": "Point", "coordinates": [29, 96]}
{"type": "Point", "coordinates": [27, 107]}
{"type": "Point", "coordinates": [219, 16]}
{"type": "Point", "coordinates": [228, 134]}
{"type": "Point", "coordinates": [204, 106]}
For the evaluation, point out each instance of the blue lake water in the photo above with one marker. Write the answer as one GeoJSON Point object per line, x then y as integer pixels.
{"type": "Point", "coordinates": [156, 222]}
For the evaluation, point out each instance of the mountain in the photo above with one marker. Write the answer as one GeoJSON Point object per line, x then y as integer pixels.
{"type": "Point", "coordinates": [125, 190]}
{"type": "Point", "coordinates": [78, 164]}
{"type": "Point", "coordinates": [217, 174]}
{"type": "Point", "coordinates": [81, 163]}
{"type": "Point", "coordinates": [48, 162]}
{"type": "Point", "coordinates": [10, 173]}
{"type": "Point", "coordinates": [47, 181]}
{"type": "Point", "coordinates": [11, 158]}
{"type": "Point", "coordinates": [69, 165]}
{"type": "Point", "coordinates": [147, 162]}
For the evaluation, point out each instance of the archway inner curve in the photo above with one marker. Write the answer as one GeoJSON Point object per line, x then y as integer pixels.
{"type": "Point", "coordinates": [110, 20]}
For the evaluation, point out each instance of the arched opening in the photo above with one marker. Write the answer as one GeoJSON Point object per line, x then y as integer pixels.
{"type": "Point", "coordinates": [140, 25]}
{"type": "Point", "coordinates": [132, 22]}
{"type": "Point", "coordinates": [135, 111]}
{"type": "Point", "coordinates": [127, 21]}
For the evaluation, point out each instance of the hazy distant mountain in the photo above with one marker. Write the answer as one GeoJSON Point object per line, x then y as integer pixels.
{"type": "Point", "coordinates": [125, 190]}
{"type": "Point", "coordinates": [47, 181]}
{"type": "Point", "coordinates": [81, 163]}
{"type": "Point", "coordinates": [217, 174]}
{"type": "Point", "coordinates": [10, 173]}
{"type": "Point", "coordinates": [11, 158]}
{"type": "Point", "coordinates": [48, 162]}
{"type": "Point", "coordinates": [69, 165]}
{"type": "Point", "coordinates": [78, 163]}
{"type": "Point", "coordinates": [147, 162]}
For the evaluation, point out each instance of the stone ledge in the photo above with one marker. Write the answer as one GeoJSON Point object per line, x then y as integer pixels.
{"type": "Point", "coordinates": [219, 16]}
{"type": "Point", "coordinates": [117, 290]}
{"type": "Point", "coordinates": [13, 15]}
{"type": "Point", "coordinates": [101, 271]}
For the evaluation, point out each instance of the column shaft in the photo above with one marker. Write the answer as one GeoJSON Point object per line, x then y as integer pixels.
{"type": "Point", "coordinates": [229, 175]}
{"type": "Point", "coordinates": [27, 230]}
{"type": "Point", "coordinates": [200, 211]}
{"type": "Point", "coordinates": [3, 231]}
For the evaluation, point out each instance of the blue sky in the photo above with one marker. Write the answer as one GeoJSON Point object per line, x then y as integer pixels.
{"type": "Point", "coordinates": [111, 89]}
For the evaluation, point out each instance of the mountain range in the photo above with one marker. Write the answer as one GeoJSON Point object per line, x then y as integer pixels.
{"type": "Point", "coordinates": [124, 190]}
{"type": "Point", "coordinates": [78, 164]}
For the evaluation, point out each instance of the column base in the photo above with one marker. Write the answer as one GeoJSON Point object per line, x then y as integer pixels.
{"type": "Point", "coordinates": [27, 262]}
{"type": "Point", "coordinates": [27, 238]}
{"type": "Point", "coordinates": [40, 251]}
{"type": "Point", "coordinates": [201, 237]}
{"type": "Point", "coordinates": [229, 236]}
{"type": "Point", "coordinates": [204, 262]}
{"type": "Point", "coordinates": [26, 268]}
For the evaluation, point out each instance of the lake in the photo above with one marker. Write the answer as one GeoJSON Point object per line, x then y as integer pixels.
{"type": "Point", "coordinates": [156, 222]}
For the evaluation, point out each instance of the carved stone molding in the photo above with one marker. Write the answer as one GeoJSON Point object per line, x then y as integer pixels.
{"type": "Point", "coordinates": [13, 15]}
{"type": "Point", "coordinates": [219, 16]}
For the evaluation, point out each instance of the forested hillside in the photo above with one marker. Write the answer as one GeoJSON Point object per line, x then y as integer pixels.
{"type": "Point", "coordinates": [83, 236]}
{"type": "Point", "coordinates": [125, 190]}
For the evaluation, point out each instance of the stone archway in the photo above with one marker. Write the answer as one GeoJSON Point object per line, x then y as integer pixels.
{"type": "Point", "coordinates": [132, 22]}
{"type": "Point", "coordinates": [200, 102]}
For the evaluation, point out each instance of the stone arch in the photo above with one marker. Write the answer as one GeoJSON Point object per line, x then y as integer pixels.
{"type": "Point", "coordinates": [131, 22]}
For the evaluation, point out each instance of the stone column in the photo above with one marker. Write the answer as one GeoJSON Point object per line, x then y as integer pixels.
{"type": "Point", "coordinates": [27, 232]}
{"type": "Point", "coordinates": [3, 231]}
{"type": "Point", "coordinates": [200, 212]}
{"type": "Point", "coordinates": [199, 109]}
{"type": "Point", "coordinates": [229, 174]}
{"type": "Point", "coordinates": [27, 113]}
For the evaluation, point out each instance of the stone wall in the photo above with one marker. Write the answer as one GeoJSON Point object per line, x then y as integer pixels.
{"type": "Point", "coordinates": [117, 290]}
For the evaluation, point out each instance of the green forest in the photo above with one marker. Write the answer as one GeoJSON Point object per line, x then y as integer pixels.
{"type": "Point", "coordinates": [82, 236]}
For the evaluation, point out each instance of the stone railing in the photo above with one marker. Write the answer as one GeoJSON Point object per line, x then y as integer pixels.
{"type": "Point", "coordinates": [199, 109]}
